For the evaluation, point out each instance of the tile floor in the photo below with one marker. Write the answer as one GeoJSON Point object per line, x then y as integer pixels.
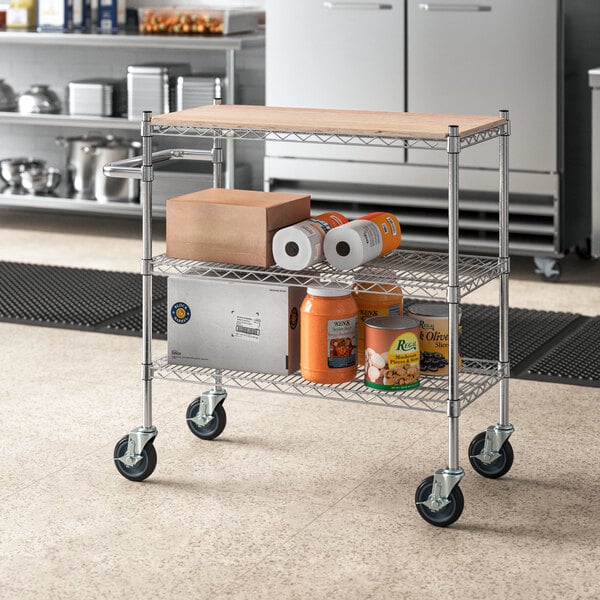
{"type": "Point", "coordinates": [299, 498]}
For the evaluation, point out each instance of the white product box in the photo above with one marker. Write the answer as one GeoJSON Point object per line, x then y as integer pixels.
{"type": "Point", "coordinates": [233, 325]}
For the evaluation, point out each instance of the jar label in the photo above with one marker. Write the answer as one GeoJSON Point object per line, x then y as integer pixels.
{"type": "Point", "coordinates": [341, 342]}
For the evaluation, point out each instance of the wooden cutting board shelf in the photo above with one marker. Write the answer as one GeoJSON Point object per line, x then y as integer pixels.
{"type": "Point", "coordinates": [340, 122]}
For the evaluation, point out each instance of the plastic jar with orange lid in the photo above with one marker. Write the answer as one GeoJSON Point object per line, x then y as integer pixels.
{"type": "Point", "coordinates": [386, 303]}
{"type": "Point", "coordinates": [328, 335]}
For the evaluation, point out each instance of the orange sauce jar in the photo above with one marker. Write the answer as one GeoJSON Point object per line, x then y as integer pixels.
{"type": "Point", "coordinates": [328, 335]}
{"type": "Point", "coordinates": [388, 304]}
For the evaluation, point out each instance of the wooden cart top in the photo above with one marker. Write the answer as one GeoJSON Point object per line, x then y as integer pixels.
{"type": "Point", "coordinates": [340, 122]}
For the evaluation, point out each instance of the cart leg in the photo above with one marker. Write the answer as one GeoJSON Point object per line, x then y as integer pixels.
{"type": "Point", "coordinates": [439, 499]}
{"type": "Point", "coordinates": [490, 452]}
{"type": "Point", "coordinates": [135, 456]}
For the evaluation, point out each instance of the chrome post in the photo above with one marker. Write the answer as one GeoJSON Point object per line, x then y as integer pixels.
{"type": "Point", "coordinates": [217, 151]}
{"type": "Point", "coordinates": [453, 297]}
{"type": "Point", "coordinates": [146, 200]}
{"type": "Point", "coordinates": [504, 257]}
{"type": "Point", "coordinates": [230, 99]}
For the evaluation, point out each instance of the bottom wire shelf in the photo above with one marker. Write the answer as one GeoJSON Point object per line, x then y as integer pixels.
{"type": "Point", "coordinates": [476, 377]}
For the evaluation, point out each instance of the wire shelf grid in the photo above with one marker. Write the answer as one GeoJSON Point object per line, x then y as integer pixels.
{"type": "Point", "coordinates": [476, 377]}
{"type": "Point", "coordinates": [321, 137]}
{"type": "Point", "coordinates": [419, 274]}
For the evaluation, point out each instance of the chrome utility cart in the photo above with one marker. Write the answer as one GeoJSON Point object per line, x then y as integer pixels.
{"type": "Point", "coordinates": [421, 275]}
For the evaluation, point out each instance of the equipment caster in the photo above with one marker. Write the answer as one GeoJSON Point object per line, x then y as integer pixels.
{"type": "Point", "coordinates": [547, 268]}
{"type": "Point", "coordinates": [494, 464]}
{"type": "Point", "coordinates": [445, 515]}
{"type": "Point", "coordinates": [137, 468]}
{"type": "Point", "coordinates": [209, 427]}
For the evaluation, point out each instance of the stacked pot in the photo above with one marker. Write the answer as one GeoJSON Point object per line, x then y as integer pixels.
{"type": "Point", "coordinates": [86, 156]}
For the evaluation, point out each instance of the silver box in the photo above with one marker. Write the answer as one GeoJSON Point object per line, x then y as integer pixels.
{"type": "Point", "coordinates": [99, 97]}
{"type": "Point", "coordinates": [152, 87]}
{"type": "Point", "coordinates": [234, 325]}
{"type": "Point", "coordinates": [198, 90]}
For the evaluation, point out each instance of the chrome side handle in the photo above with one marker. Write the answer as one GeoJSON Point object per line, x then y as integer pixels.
{"type": "Point", "coordinates": [357, 6]}
{"type": "Point", "coordinates": [455, 7]}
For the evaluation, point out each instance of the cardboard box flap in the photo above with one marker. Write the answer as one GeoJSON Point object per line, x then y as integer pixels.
{"type": "Point", "coordinates": [278, 209]}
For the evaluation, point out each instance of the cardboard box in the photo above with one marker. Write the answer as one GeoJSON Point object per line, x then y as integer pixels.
{"type": "Point", "coordinates": [233, 325]}
{"type": "Point", "coordinates": [230, 226]}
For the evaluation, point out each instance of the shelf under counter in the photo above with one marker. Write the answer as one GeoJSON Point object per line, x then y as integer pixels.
{"type": "Point", "coordinates": [63, 120]}
{"type": "Point", "coordinates": [52, 202]}
{"type": "Point", "coordinates": [136, 40]}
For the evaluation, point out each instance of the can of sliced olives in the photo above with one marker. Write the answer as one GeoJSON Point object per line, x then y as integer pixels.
{"type": "Point", "coordinates": [434, 336]}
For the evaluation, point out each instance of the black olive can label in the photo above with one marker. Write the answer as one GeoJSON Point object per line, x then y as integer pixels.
{"type": "Point", "coordinates": [434, 337]}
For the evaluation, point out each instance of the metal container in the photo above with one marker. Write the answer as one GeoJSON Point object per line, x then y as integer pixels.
{"type": "Point", "coordinates": [99, 97]}
{"type": "Point", "coordinates": [11, 168]}
{"type": "Point", "coordinates": [39, 99]}
{"type": "Point", "coordinates": [8, 98]}
{"type": "Point", "coordinates": [198, 90]}
{"type": "Point", "coordinates": [40, 181]}
{"type": "Point", "coordinates": [434, 337]}
{"type": "Point", "coordinates": [110, 189]}
{"type": "Point", "coordinates": [391, 353]}
{"type": "Point", "coordinates": [79, 165]}
{"type": "Point", "coordinates": [152, 87]}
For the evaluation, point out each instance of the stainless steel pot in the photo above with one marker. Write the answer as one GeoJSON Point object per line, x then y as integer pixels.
{"type": "Point", "coordinates": [79, 164]}
{"type": "Point", "coordinates": [40, 181]}
{"type": "Point", "coordinates": [11, 168]}
{"type": "Point", "coordinates": [110, 189]}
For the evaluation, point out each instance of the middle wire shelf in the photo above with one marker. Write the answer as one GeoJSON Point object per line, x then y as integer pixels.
{"type": "Point", "coordinates": [476, 377]}
{"type": "Point", "coordinates": [421, 275]}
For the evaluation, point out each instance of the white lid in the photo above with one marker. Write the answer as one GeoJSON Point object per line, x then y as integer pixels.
{"type": "Point", "coordinates": [331, 291]}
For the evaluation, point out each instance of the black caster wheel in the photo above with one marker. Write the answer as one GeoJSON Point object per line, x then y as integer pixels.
{"type": "Point", "coordinates": [445, 516]}
{"type": "Point", "coordinates": [584, 252]}
{"type": "Point", "coordinates": [211, 430]}
{"type": "Point", "coordinates": [501, 466]}
{"type": "Point", "coordinates": [144, 468]}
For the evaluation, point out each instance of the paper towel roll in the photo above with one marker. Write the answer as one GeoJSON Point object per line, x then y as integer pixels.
{"type": "Point", "coordinates": [297, 247]}
{"type": "Point", "coordinates": [300, 246]}
{"type": "Point", "coordinates": [352, 244]}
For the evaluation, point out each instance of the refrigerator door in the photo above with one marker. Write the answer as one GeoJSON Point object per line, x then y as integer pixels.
{"type": "Point", "coordinates": [496, 54]}
{"type": "Point", "coordinates": [335, 54]}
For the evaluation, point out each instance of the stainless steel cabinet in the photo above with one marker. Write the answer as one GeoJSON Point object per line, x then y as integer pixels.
{"type": "Point", "coordinates": [475, 56]}
{"type": "Point", "coordinates": [335, 54]}
{"type": "Point", "coordinates": [472, 56]}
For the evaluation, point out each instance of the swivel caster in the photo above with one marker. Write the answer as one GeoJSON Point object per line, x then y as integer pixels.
{"type": "Point", "coordinates": [135, 467]}
{"type": "Point", "coordinates": [548, 268]}
{"type": "Point", "coordinates": [488, 462]}
{"type": "Point", "coordinates": [204, 425]}
{"type": "Point", "coordinates": [437, 510]}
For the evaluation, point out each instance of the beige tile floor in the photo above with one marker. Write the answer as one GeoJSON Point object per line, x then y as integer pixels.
{"type": "Point", "coordinates": [298, 498]}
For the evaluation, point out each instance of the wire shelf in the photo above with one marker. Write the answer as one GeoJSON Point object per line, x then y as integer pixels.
{"type": "Point", "coordinates": [321, 138]}
{"type": "Point", "coordinates": [476, 377]}
{"type": "Point", "coordinates": [420, 274]}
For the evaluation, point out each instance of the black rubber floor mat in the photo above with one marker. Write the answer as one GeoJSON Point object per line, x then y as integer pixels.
{"type": "Point", "coordinates": [576, 357]}
{"type": "Point", "coordinates": [67, 297]}
{"type": "Point", "coordinates": [132, 324]}
{"type": "Point", "coordinates": [528, 332]}
{"type": "Point", "coordinates": [550, 346]}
